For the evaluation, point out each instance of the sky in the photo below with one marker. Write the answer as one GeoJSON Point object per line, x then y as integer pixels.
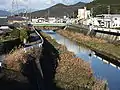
{"type": "Point", "coordinates": [35, 4]}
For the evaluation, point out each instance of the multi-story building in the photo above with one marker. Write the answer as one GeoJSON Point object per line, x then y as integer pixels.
{"type": "Point", "coordinates": [109, 20]}
{"type": "Point", "coordinates": [83, 14]}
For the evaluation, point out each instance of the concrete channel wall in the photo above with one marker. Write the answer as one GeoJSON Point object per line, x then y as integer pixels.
{"type": "Point", "coordinates": [37, 66]}
{"type": "Point", "coordinates": [7, 46]}
{"type": "Point", "coordinates": [108, 34]}
{"type": "Point", "coordinates": [103, 33]}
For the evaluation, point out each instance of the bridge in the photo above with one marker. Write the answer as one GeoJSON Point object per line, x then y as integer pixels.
{"type": "Point", "coordinates": [49, 24]}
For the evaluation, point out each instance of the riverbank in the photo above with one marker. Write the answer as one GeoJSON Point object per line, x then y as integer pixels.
{"type": "Point", "coordinates": [73, 73]}
{"type": "Point", "coordinates": [98, 45]}
{"type": "Point", "coordinates": [18, 69]}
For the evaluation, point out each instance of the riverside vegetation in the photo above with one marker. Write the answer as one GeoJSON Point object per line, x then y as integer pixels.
{"type": "Point", "coordinates": [15, 34]}
{"type": "Point", "coordinates": [19, 71]}
{"type": "Point", "coordinates": [13, 38]}
{"type": "Point", "coordinates": [99, 45]}
{"type": "Point", "coordinates": [73, 73]}
{"type": "Point", "coordinates": [17, 68]}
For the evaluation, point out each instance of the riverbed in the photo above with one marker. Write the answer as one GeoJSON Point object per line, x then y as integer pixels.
{"type": "Point", "coordinates": [102, 68]}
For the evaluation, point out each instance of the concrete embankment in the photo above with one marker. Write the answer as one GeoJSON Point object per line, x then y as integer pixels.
{"type": "Point", "coordinates": [47, 27]}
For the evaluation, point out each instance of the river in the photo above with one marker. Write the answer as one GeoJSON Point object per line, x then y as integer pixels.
{"type": "Point", "coordinates": [101, 68]}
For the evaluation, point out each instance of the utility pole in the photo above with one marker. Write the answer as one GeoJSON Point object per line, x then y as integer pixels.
{"type": "Point", "coordinates": [109, 9]}
{"type": "Point", "coordinates": [17, 7]}
{"type": "Point", "coordinates": [91, 12]}
{"type": "Point", "coordinates": [48, 13]}
{"type": "Point", "coordinates": [26, 16]}
{"type": "Point", "coordinates": [73, 14]}
{"type": "Point", "coordinates": [30, 15]}
{"type": "Point", "coordinates": [12, 11]}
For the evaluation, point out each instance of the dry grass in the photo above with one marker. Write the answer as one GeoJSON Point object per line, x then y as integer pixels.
{"type": "Point", "coordinates": [80, 36]}
{"type": "Point", "coordinates": [17, 58]}
{"type": "Point", "coordinates": [73, 72]}
{"type": "Point", "coordinates": [94, 43]}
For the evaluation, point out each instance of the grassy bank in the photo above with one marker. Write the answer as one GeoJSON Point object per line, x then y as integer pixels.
{"type": "Point", "coordinates": [18, 70]}
{"type": "Point", "coordinates": [73, 73]}
{"type": "Point", "coordinates": [99, 45]}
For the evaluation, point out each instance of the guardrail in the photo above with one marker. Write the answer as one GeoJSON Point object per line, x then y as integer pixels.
{"type": "Point", "coordinates": [49, 24]}
{"type": "Point", "coordinates": [36, 45]}
{"type": "Point", "coordinates": [37, 60]}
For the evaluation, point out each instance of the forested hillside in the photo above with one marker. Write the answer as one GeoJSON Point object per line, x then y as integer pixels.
{"type": "Point", "coordinates": [104, 6]}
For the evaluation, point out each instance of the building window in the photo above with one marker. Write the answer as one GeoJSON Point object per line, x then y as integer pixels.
{"type": "Point", "coordinates": [115, 18]}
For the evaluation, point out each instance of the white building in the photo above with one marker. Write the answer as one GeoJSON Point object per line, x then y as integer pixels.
{"type": "Point", "coordinates": [34, 20]}
{"type": "Point", "coordinates": [91, 21]}
{"type": "Point", "coordinates": [83, 14]}
{"type": "Point", "coordinates": [38, 20]}
{"type": "Point", "coordinates": [4, 27]}
{"type": "Point", "coordinates": [41, 20]}
{"type": "Point", "coordinates": [109, 20]}
{"type": "Point", "coordinates": [51, 19]}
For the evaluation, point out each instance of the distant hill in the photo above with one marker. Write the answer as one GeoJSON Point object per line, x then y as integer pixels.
{"type": "Point", "coordinates": [107, 1]}
{"type": "Point", "coordinates": [4, 13]}
{"type": "Point", "coordinates": [59, 10]}
{"type": "Point", "coordinates": [102, 6]}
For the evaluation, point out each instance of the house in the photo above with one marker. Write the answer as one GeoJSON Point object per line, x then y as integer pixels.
{"type": "Point", "coordinates": [83, 14]}
{"type": "Point", "coordinates": [91, 21]}
{"type": "Point", "coordinates": [4, 29]}
{"type": "Point", "coordinates": [41, 20]}
{"type": "Point", "coordinates": [51, 19]}
{"type": "Point", "coordinates": [109, 20]}
{"type": "Point", "coordinates": [34, 20]}
{"type": "Point", "coordinates": [16, 19]}
{"type": "Point", "coordinates": [59, 20]}
{"type": "Point", "coordinates": [38, 20]}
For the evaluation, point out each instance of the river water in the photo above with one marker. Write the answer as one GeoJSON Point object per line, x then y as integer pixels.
{"type": "Point", "coordinates": [101, 68]}
{"type": "Point", "coordinates": [1, 58]}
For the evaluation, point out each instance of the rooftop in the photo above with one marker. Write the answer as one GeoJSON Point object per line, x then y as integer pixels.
{"type": "Point", "coordinates": [17, 18]}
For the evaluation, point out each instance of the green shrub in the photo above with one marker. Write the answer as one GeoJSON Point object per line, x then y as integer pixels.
{"type": "Point", "coordinates": [15, 33]}
{"type": "Point", "coordinates": [23, 34]}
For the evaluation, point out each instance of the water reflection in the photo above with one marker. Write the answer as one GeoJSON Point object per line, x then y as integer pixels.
{"type": "Point", "coordinates": [1, 58]}
{"type": "Point", "coordinates": [102, 68]}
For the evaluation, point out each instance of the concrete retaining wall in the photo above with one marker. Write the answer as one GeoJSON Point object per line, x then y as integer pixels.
{"type": "Point", "coordinates": [6, 46]}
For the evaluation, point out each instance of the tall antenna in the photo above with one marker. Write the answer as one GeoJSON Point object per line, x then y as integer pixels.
{"type": "Point", "coordinates": [48, 13]}
{"type": "Point", "coordinates": [14, 7]}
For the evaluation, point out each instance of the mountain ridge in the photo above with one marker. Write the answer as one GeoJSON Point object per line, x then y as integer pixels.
{"type": "Point", "coordinates": [58, 10]}
{"type": "Point", "coordinates": [4, 13]}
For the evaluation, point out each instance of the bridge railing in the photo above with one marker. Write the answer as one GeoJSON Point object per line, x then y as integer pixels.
{"type": "Point", "coordinates": [49, 24]}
